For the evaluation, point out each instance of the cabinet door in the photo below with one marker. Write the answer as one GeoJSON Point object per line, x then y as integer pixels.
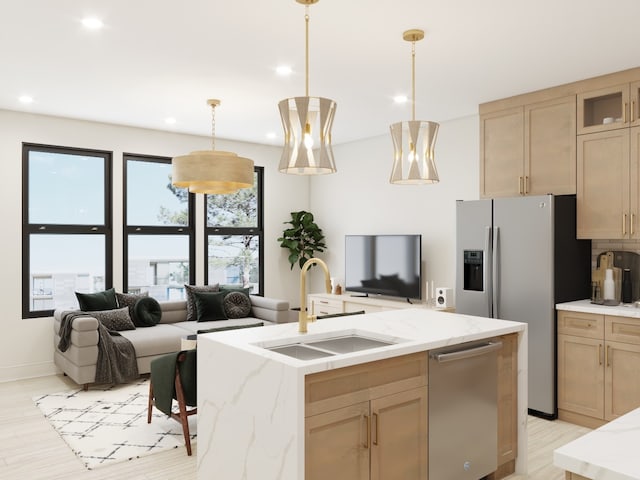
{"type": "Point", "coordinates": [337, 444]}
{"type": "Point", "coordinates": [502, 153]}
{"type": "Point", "coordinates": [634, 179]}
{"type": "Point", "coordinates": [508, 399]}
{"type": "Point", "coordinates": [581, 375]}
{"type": "Point", "coordinates": [550, 147]}
{"type": "Point", "coordinates": [399, 436]}
{"type": "Point", "coordinates": [603, 185]}
{"type": "Point", "coordinates": [622, 381]}
{"type": "Point", "coordinates": [603, 109]}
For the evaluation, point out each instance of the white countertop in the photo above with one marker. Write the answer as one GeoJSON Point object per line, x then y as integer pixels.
{"type": "Point", "coordinates": [251, 401]}
{"type": "Point", "coordinates": [608, 453]}
{"type": "Point", "coordinates": [585, 306]}
{"type": "Point", "coordinates": [413, 330]}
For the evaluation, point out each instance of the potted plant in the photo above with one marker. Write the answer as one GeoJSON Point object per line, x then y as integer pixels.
{"type": "Point", "coordinates": [302, 239]}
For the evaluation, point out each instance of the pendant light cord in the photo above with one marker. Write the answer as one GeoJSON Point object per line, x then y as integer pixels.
{"type": "Point", "coordinates": [413, 80]}
{"type": "Point", "coordinates": [213, 127]}
{"type": "Point", "coordinates": [306, 52]}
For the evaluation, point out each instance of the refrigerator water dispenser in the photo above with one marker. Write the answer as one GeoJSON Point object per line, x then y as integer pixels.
{"type": "Point", "coordinates": [473, 268]}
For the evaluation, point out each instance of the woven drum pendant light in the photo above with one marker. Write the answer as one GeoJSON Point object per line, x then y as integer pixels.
{"type": "Point", "coordinates": [212, 171]}
{"type": "Point", "coordinates": [307, 123]}
{"type": "Point", "coordinates": [414, 140]}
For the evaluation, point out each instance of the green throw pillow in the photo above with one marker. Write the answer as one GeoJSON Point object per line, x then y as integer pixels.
{"type": "Point", "coordinates": [226, 289]}
{"type": "Point", "coordinates": [91, 302]}
{"type": "Point", "coordinates": [191, 303]}
{"type": "Point", "coordinates": [209, 306]}
{"type": "Point", "coordinates": [147, 312]}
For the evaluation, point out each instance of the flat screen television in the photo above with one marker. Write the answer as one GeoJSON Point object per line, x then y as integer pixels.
{"type": "Point", "coordinates": [389, 265]}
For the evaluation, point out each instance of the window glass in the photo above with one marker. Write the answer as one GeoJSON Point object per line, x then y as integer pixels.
{"type": "Point", "coordinates": [235, 260]}
{"type": "Point", "coordinates": [62, 265]}
{"type": "Point", "coordinates": [236, 210]}
{"type": "Point", "coordinates": [151, 199]}
{"type": "Point", "coordinates": [66, 189]}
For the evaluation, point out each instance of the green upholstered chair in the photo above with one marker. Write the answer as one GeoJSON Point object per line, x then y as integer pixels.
{"type": "Point", "coordinates": [173, 377]}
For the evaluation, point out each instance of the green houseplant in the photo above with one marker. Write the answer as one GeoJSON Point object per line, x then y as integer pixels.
{"type": "Point", "coordinates": [302, 239]}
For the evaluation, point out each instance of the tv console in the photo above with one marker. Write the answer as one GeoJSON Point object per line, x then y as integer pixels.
{"type": "Point", "coordinates": [329, 304]}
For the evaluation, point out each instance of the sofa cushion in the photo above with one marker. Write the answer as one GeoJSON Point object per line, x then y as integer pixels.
{"type": "Point", "coordinates": [147, 312]}
{"type": "Point", "coordinates": [209, 306]}
{"type": "Point", "coordinates": [237, 305]}
{"type": "Point", "coordinates": [190, 289]}
{"type": "Point", "coordinates": [129, 300]}
{"type": "Point", "coordinates": [91, 302]}
{"type": "Point", "coordinates": [157, 340]}
{"type": "Point", "coordinates": [117, 319]}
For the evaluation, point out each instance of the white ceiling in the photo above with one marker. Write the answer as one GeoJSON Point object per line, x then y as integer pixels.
{"type": "Point", "coordinates": [161, 58]}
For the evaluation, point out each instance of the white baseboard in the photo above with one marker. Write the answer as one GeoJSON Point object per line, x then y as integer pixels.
{"type": "Point", "coordinates": [30, 370]}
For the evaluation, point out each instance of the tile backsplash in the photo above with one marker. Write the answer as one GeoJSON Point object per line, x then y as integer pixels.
{"type": "Point", "coordinates": [599, 246]}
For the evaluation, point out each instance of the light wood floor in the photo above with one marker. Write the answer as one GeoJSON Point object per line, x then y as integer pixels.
{"type": "Point", "coordinates": [31, 449]}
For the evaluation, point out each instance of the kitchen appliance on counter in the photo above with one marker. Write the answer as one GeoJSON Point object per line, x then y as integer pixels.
{"type": "Point", "coordinates": [515, 259]}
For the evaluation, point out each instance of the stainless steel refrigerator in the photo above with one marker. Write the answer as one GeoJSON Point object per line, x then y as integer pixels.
{"type": "Point", "coordinates": [515, 259]}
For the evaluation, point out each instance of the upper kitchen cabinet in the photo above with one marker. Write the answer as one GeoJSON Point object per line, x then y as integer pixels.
{"type": "Point", "coordinates": [529, 149]}
{"type": "Point", "coordinates": [609, 108]}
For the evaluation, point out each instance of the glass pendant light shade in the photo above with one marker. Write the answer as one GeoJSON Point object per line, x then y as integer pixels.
{"type": "Point", "coordinates": [307, 123]}
{"type": "Point", "coordinates": [413, 159]}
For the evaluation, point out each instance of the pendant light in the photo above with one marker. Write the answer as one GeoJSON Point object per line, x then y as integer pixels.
{"type": "Point", "coordinates": [307, 123]}
{"type": "Point", "coordinates": [212, 171]}
{"type": "Point", "coordinates": [414, 140]}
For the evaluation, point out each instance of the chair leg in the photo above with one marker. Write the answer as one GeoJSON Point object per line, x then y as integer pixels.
{"type": "Point", "coordinates": [182, 407]}
{"type": "Point", "coordinates": [150, 402]}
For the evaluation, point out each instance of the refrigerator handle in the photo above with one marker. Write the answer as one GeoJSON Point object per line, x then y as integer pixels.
{"type": "Point", "coordinates": [487, 271]}
{"type": "Point", "coordinates": [495, 268]}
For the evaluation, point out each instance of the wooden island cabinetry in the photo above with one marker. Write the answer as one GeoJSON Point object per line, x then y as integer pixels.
{"type": "Point", "coordinates": [598, 365]}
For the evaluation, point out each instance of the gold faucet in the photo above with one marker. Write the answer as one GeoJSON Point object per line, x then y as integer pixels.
{"type": "Point", "coordinates": [303, 318]}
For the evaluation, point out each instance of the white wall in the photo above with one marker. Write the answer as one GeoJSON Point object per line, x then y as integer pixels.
{"type": "Point", "coordinates": [360, 200]}
{"type": "Point", "coordinates": [26, 345]}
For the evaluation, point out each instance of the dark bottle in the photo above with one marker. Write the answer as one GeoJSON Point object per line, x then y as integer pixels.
{"type": "Point", "coordinates": [626, 286]}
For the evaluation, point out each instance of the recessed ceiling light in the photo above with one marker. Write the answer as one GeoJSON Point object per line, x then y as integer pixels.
{"type": "Point", "coordinates": [284, 70]}
{"type": "Point", "coordinates": [170, 120]}
{"type": "Point", "coordinates": [92, 23]}
{"type": "Point", "coordinates": [400, 99]}
{"type": "Point", "coordinates": [25, 99]}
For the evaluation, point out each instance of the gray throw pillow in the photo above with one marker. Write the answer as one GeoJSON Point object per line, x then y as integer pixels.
{"type": "Point", "coordinates": [116, 320]}
{"type": "Point", "coordinates": [191, 305]}
{"type": "Point", "coordinates": [147, 312]}
{"type": "Point", "coordinates": [129, 300]}
{"type": "Point", "coordinates": [237, 305]}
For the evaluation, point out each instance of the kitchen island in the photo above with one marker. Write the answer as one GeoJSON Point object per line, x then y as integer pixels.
{"type": "Point", "coordinates": [251, 400]}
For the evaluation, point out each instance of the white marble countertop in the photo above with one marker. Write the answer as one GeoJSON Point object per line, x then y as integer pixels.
{"type": "Point", "coordinates": [607, 453]}
{"type": "Point", "coordinates": [585, 306]}
{"type": "Point", "coordinates": [411, 330]}
{"type": "Point", "coordinates": [251, 401]}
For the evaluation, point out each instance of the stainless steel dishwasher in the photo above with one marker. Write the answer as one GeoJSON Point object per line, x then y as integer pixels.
{"type": "Point", "coordinates": [463, 411]}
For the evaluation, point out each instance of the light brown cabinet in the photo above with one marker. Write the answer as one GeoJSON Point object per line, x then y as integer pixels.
{"type": "Point", "coordinates": [609, 108]}
{"type": "Point", "coordinates": [598, 364]}
{"type": "Point", "coordinates": [529, 149]}
{"type": "Point", "coordinates": [608, 200]}
{"type": "Point", "coordinates": [368, 421]}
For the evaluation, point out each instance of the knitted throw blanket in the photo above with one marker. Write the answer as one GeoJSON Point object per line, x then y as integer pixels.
{"type": "Point", "coordinates": [116, 355]}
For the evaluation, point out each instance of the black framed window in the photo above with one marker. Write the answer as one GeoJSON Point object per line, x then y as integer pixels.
{"type": "Point", "coordinates": [159, 241]}
{"type": "Point", "coordinates": [66, 226]}
{"type": "Point", "coordinates": [234, 237]}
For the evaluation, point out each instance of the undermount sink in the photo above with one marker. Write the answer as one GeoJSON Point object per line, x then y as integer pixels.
{"type": "Point", "coordinates": [327, 347]}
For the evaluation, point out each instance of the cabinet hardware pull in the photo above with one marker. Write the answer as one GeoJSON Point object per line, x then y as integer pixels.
{"type": "Point", "coordinates": [633, 219]}
{"type": "Point", "coordinates": [520, 186]}
{"type": "Point", "coordinates": [367, 422]}
{"type": "Point", "coordinates": [624, 224]}
{"type": "Point", "coordinates": [624, 112]}
{"type": "Point", "coordinates": [526, 185]}
{"type": "Point", "coordinates": [633, 110]}
{"type": "Point", "coordinates": [374, 430]}
{"type": "Point", "coordinates": [599, 354]}
{"type": "Point", "coordinates": [608, 357]}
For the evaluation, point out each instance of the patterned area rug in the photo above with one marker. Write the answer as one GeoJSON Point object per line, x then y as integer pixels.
{"type": "Point", "coordinates": [105, 426]}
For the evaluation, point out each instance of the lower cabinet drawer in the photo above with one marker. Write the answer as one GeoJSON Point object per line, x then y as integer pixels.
{"type": "Point", "coordinates": [320, 306]}
{"type": "Point", "coordinates": [622, 329]}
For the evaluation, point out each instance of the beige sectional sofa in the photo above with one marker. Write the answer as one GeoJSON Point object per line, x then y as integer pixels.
{"type": "Point", "coordinates": [80, 359]}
